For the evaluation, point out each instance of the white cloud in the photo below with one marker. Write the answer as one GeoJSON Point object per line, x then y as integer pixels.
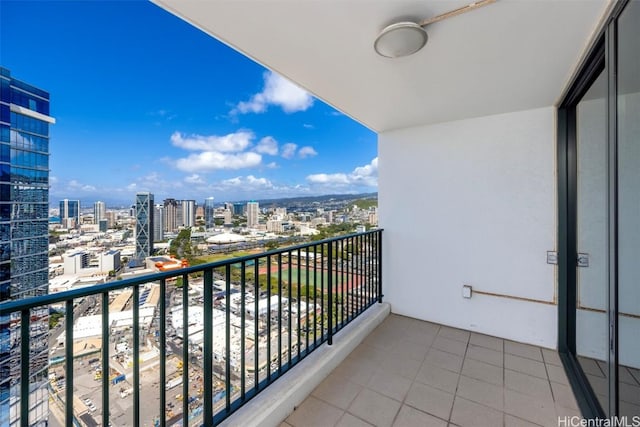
{"type": "Point", "coordinates": [323, 178]}
{"type": "Point", "coordinates": [272, 165]}
{"type": "Point", "coordinates": [307, 151]}
{"type": "Point", "coordinates": [75, 185]}
{"type": "Point", "coordinates": [194, 179]}
{"type": "Point", "coordinates": [289, 150]}
{"type": "Point", "coordinates": [247, 183]}
{"type": "Point", "coordinates": [213, 160]}
{"type": "Point", "coordinates": [267, 145]}
{"type": "Point", "coordinates": [230, 143]}
{"type": "Point", "coordinates": [308, 126]}
{"type": "Point", "coordinates": [361, 176]}
{"type": "Point", "coordinates": [276, 91]}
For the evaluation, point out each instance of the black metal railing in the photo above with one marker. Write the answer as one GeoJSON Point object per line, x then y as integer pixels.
{"type": "Point", "coordinates": [221, 331]}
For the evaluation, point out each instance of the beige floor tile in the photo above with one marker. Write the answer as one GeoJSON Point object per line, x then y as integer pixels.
{"type": "Point", "coordinates": [374, 408]}
{"type": "Point", "coordinates": [444, 360]}
{"type": "Point", "coordinates": [483, 371]}
{"type": "Point", "coordinates": [481, 392]}
{"type": "Point", "coordinates": [511, 421]}
{"type": "Point", "coordinates": [486, 341]}
{"type": "Point", "coordinates": [411, 349]}
{"type": "Point", "coordinates": [420, 336]}
{"type": "Point", "coordinates": [355, 371]}
{"type": "Point", "coordinates": [563, 412]}
{"type": "Point", "coordinates": [551, 357]}
{"type": "Point", "coordinates": [400, 364]}
{"type": "Point", "coordinates": [337, 391]}
{"type": "Point", "coordinates": [600, 385]}
{"type": "Point", "coordinates": [523, 350]}
{"type": "Point", "coordinates": [485, 355]}
{"type": "Point", "coordinates": [439, 378]}
{"type": "Point", "coordinates": [391, 385]}
{"type": "Point", "coordinates": [411, 417]}
{"type": "Point", "coordinates": [525, 366]}
{"type": "Point", "coordinates": [470, 414]}
{"type": "Point", "coordinates": [557, 374]}
{"type": "Point", "coordinates": [314, 412]}
{"type": "Point", "coordinates": [450, 345]}
{"type": "Point", "coordinates": [563, 396]}
{"type": "Point", "coordinates": [285, 424]}
{"type": "Point", "coordinates": [636, 373]}
{"type": "Point", "coordinates": [454, 334]}
{"type": "Point", "coordinates": [526, 384]}
{"type": "Point", "coordinates": [530, 409]}
{"type": "Point", "coordinates": [431, 400]}
{"type": "Point", "coordinates": [349, 420]}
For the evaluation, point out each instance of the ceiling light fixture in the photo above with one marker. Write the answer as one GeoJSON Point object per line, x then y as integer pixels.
{"type": "Point", "coordinates": [406, 38]}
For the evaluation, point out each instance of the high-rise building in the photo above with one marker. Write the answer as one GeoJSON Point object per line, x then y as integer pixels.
{"type": "Point", "coordinates": [188, 213]}
{"type": "Point", "coordinates": [209, 213]}
{"type": "Point", "coordinates": [99, 212]}
{"type": "Point", "coordinates": [253, 210]}
{"type": "Point", "coordinates": [70, 213]}
{"type": "Point", "coordinates": [144, 226]}
{"type": "Point", "coordinates": [111, 218]}
{"type": "Point", "coordinates": [170, 215]}
{"type": "Point", "coordinates": [158, 223]}
{"type": "Point", "coordinates": [238, 209]}
{"type": "Point", "coordinates": [24, 242]}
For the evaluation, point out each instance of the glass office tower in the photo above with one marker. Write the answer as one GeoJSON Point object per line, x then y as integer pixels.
{"type": "Point", "coordinates": [144, 226]}
{"type": "Point", "coordinates": [24, 241]}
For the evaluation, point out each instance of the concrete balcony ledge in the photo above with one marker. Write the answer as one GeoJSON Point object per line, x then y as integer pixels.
{"type": "Point", "coordinates": [280, 399]}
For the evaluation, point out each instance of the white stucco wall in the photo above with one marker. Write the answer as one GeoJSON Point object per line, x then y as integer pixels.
{"type": "Point", "coordinates": [472, 202]}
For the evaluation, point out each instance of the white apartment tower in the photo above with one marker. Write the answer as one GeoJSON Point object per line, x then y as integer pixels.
{"type": "Point", "coordinates": [253, 210]}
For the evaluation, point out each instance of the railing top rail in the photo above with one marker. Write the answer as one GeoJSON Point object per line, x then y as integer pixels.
{"type": "Point", "coordinates": [11, 306]}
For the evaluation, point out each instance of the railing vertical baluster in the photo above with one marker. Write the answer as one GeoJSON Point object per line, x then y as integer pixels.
{"type": "Point", "coordinates": [136, 355]}
{"type": "Point", "coordinates": [243, 325]}
{"type": "Point", "coordinates": [268, 318]}
{"type": "Point", "coordinates": [379, 233]}
{"type": "Point", "coordinates": [343, 278]}
{"type": "Point", "coordinates": [227, 373]}
{"type": "Point", "coordinates": [279, 313]}
{"type": "Point", "coordinates": [289, 309]}
{"type": "Point", "coordinates": [298, 332]}
{"type": "Point", "coordinates": [330, 292]}
{"type": "Point", "coordinates": [370, 269]}
{"type": "Point", "coordinates": [322, 293]}
{"type": "Point", "coordinates": [185, 349]}
{"type": "Point", "coordinates": [106, 326]}
{"type": "Point", "coordinates": [256, 319]}
{"type": "Point", "coordinates": [162, 323]}
{"type": "Point", "coordinates": [68, 350]}
{"type": "Point", "coordinates": [25, 333]}
{"type": "Point", "coordinates": [306, 348]}
{"type": "Point", "coordinates": [363, 275]}
{"type": "Point", "coordinates": [315, 295]}
{"type": "Point", "coordinates": [207, 347]}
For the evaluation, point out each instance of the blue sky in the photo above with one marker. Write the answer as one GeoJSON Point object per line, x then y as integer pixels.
{"type": "Point", "coordinates": [146, 102]}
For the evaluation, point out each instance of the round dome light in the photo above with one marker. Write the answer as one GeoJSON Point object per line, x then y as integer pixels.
{"type": "Point", "coordinates": [400, 39]}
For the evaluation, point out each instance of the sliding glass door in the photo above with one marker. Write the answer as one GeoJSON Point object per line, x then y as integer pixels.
{"type": "Point", "coordinates": [599, 217]}
{"type": "Point", "coordinates": [628, 183]}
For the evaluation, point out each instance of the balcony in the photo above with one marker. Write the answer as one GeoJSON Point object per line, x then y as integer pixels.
{"type": "Point", "coordinates": [193, 345]}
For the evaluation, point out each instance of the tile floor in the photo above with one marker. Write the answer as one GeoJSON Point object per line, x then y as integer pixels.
{"type": "Point", "coordinates": [413, 373]}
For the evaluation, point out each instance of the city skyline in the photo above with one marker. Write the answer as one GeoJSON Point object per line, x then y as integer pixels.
{"type": "Point", "coordinates": [165, 108]}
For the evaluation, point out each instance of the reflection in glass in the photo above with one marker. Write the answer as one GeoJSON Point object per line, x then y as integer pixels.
{"type": "Point", "coordinates": [592, 238]}
{"type": "Point", "coordinates": [628, 102]}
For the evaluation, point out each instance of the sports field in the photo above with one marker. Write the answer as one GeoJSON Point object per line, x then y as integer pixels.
{"type": "Point", "coordinates": [320, 277]}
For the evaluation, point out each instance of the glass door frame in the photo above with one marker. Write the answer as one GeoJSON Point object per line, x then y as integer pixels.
{"type": "Point", "coordinates": [601, 57]}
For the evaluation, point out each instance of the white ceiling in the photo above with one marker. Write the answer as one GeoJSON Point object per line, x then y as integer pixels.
{"type": "Point", "coordinates": [508, 56]}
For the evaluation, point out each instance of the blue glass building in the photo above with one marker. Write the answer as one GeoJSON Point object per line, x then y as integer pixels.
{"type": "Point", "coordinates": [70, 213]}
{"type": "Point", "coordinates": [144, 226]}
{"type": "Point", "coordinates": [209, 213]}
{"type": "Point", "coordinates": [24, 240]}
